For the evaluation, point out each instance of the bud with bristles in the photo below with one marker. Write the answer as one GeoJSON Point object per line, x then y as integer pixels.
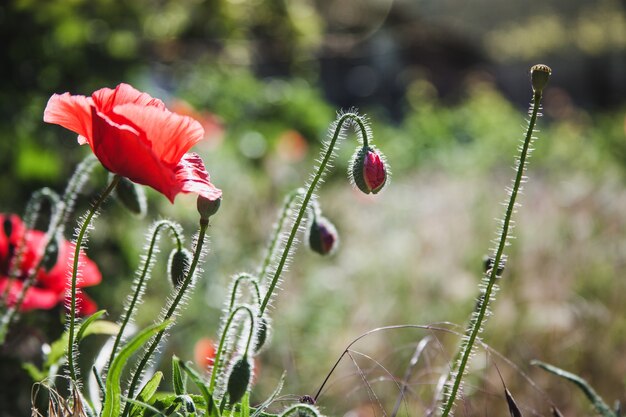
{"type": "Point", "coordinates": [207, 207]}
{"type": "Point", "coordinates": [178, 266]}
{"type": "Point", "coordinates": [539, 76]}
{"type": "Point", "coordinates": [51, 256]}
{"type": "Point", "coordinates": [322, 236]}
{"type": "Point", "coordinates": [239, 380]}
{"type": "Point", "coordinates": [132, 196]}
{"type": "Point", "coordinates": [368, 170]}
{"type": "Point", "coordinates": [261, 334]}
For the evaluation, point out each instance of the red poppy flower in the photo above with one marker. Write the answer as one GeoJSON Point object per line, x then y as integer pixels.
{"type": "Point", "coordinates": [50, 287]}
{"type": "Point", "coordinates": [204, 353]}
{"type": "Point", "coordinates": [135, 136]}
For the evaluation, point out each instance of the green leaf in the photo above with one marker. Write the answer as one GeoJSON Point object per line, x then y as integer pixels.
{"type": "Point", "coordinates": [177, 377]}
{"type": "Point", "coordinates": [35, 373]}
{"type": "Point", "coordinates": [598, 403]}
{"type": "Point", "coordinates": [146, 393]}
{"type": "Point", "coordinates": [88, 321]}
{"type": "Point", "coordinates": [113, 401]}
{"type": "Point", "coordinates": [211, 409]}
{"type": "Point", "coordinates": [245, 405]}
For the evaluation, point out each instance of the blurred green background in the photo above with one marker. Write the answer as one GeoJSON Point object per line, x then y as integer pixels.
{"type": "Point", "coordinates": [445, 85]}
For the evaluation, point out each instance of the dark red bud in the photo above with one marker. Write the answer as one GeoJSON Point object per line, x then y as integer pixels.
{"type": "Point", "coordinates": [207, 207]}
{"type": "Point", "coordinates": [323, 237]}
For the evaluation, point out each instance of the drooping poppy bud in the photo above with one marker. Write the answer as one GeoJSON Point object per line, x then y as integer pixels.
{"type": "Point", "coordinates": [539, 76]}
{"type": "Point", "coordinates": [207, 207]}
{"type": "Point", "coordinates": [178, 266]}
{"type": "Point", "coordinates": [132, 196]}
{"type": "Point", "coordinates": [368, 170]}
{"type": "Point", "coordinates": [261, 334]}
{"type": "Point", "coordinates": [238, 380]}
{"type": "Point", "coordinates": [323, 237]}
{"type": "Point", "coordinates": [489, 261]}
{"type": "Point", "coordinates": [51, 256]}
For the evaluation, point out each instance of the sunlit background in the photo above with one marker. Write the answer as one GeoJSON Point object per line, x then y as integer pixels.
{"type": "Point", "coordinates": [445, 84]}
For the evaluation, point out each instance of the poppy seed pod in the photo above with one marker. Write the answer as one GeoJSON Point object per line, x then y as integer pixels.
{"type": "Point", "coordinates": [323, 237]}
{"type": "Point", "coordinates": [368, 170]}
{"type": "Point", "coordinates": [131, 196]}
{"type": "Point", "coordinates": [178, 266]}
{"type": "Point", "coordinates": [539, 76]}
{"type": "Point", "coordinates": [239, 380]}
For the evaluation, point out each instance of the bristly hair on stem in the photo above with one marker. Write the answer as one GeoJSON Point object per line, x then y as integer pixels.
{"type": "Point", "coordinates": [337, 132]}
{"type": "Point", "coordinates": [488, 285]}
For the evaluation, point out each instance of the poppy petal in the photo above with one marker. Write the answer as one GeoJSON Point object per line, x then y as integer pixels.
{"type": "Point", "coordinates": [85, 306]}
{"type": "Point", "coordinates": [106, 99]}
{"type": "Point", "coordinates": [170, 134]}
{"type": "Point", "coordinates": [193, 177]}
{"type": "Point", "coordinates": [71, 112]}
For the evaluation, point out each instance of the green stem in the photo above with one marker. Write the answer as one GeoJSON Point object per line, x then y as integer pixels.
{"type": "Point", "coordinates": [220, 348]}
{"type": "Point", "coordinates": [291, 197]}
{"type": "Point", "coordinates": [307, 197]}
{"type": "Point", "coordinates": [204, 224]}
{"type": "Point", "coordinates": [477, 322]}
{"type": "Point", "coordinates": [252, 281]}
{"type": "Point", "coordinates": [142, 278]}
{"type": "Point", "coordinates": [79, 240]}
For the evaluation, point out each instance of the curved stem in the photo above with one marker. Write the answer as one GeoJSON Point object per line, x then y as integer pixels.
{"type": "Point", "coordinates": [220, 348]}
{"type": "Point", "coordinates": [204, 224]}
{"type": "Point", "coordinates": [142, 278]}
{"type": "Point", "coordinates": [307, 197]}
{"type": "Point", "coordinates": [291, 197]}
{"type": "Point", "coordinates": [252, 281]}
{"type": "Point", "coordinates": [79, 240]}
{"type": "Point", "coordinates": [477, 322]}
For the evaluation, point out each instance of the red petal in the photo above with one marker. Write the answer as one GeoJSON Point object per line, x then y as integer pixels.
{"type": "Point", "coordinates": [71, 112]}
{"type": "Point", "coordinates": [170, 134]}
{"type": "Point", "coordinates": [36, 298]}
{"type": "Point", "coordinates": [124, 151]}
{"type": "Point", "coordinates": [193, 177]}
{"type": "Point", "coordinates": [106, 99]}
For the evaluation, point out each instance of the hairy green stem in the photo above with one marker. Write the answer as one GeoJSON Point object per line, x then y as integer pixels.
{"type": "Point", "coordinates": [78, 244]}
{"type": "Point", "coordinates": [289, 200]}
{"type": "Point", "coordinates": [204, 224]}
{"type": "Point", "coordinates": [220, 348]}
{"type": "Point", "coordinates": [482, 306]}
{"type": "Point", "coordinates": [307, 197]}
{"type": "Point", "coordinates": [252, 281]}
{"type": "Point", "coordinates": [142, 278]}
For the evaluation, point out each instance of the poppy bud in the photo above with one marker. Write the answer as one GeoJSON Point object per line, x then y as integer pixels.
{"type": "Point", "coordinates": [207, 207]}
{"type": "Point", "coordinates": [7, 225]}
{"type": "Point", "coordinates": [323, 237]}
{"type": "Point", "coordinates": [178, 266]}
{"type": "Point", "coordinates": [488, 262]}
{"type": "Point", "coordinates": [238, 380]}
{"type": "Point", "coordinates": [368, 170]}
{"type": "Point", "coordinates": [132, 196]}
{"type": "Point", "coordinates": [539, 76]}
{"type": "Point", "coordinates": [51, 256]}
{"type": "Point", "coordinates": [261, 334]}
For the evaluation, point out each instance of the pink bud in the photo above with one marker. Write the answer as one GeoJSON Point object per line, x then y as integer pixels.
{"type": "Point", "coordinates": [323, 237]}
{"type": "Point", "coordinates": [368, 170]}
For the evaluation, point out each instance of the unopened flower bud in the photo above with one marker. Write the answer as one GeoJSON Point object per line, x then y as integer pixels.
{"type": "Point", "coordinates": [368, 170]}
{"type": "Point", "coordinates": [488, 262]}
{"type": "Point", "coordinates": [323, 237]}
{"type": "Point", "coordinates": [178, 266]}
{"type": "Point", "coordinates": [539, 76]}
{"type": "Point", "coordinates": [132, 196]}
{"type": "Point", "coordinates": [207, 207]}
{"type": "Point", "coordinates": [239, 380]}
{"type": "Point", "coordinates": [51, 256]}
{"type": "Point", "coordinates": [261, 334]}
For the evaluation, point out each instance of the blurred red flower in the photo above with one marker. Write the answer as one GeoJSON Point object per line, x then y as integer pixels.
{"type": "Point", "coordinates": [50, 287]}
{"type": "Point", "coordinates": [204, 353]}
{"type": "Point", "coordinates": [135, 136]}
